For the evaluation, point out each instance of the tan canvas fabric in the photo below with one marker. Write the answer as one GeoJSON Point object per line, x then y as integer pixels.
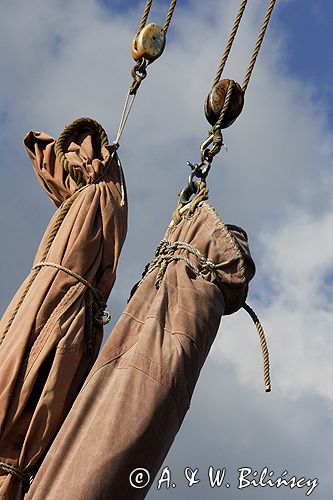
{"type": "Point", "coordinates": [49, 348]}
{"type": "Point", "coordinates": [139, 390]}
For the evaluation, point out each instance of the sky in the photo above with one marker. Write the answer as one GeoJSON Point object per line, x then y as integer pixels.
{"type": "Point", "coordinates": [61, 60]}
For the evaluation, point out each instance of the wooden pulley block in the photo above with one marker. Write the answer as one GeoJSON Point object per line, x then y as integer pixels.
{"type": "Point", "coordinates": [215, 100]}
{"type": "Point", "coordinates": [149, 43]}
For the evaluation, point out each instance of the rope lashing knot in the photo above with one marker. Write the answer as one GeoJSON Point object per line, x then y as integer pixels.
{"type": "Point", "coordinates": [165, 254]}
{"type": "Point", "coordinates": [25, 477]}
{"type": "Point", "coordinates": [101, 316]}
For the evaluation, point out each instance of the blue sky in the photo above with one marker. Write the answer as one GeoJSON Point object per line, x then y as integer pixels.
{"type": "Point", "coordinates": [61, 60]}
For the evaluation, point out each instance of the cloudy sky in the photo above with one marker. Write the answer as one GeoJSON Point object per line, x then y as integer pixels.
{"type": "Point", "coordinates": [63, 59]}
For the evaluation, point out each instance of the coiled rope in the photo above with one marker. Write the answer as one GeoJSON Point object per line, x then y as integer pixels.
{"type": "Point", "coordinates": [66, 136]}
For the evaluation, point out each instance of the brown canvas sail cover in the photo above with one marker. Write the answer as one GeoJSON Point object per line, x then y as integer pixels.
{"type": "Point", "coordinates": [49, 342]}
{"type": "Point", "coordinates": [139, 390]}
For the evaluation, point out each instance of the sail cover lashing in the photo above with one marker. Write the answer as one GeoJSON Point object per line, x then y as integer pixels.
{"type": "Point", "coordinates": [139, 390]}
{"type": "Point", "coordinates": [52, 330]}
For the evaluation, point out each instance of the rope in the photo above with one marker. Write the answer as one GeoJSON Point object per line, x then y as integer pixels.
{"type": "Point", "coordinates": [252, 62]}
{"type": "Point", "coordinates": [229, 43]}
{"type": "Point", "coordinates": [62, 143]}
{"type": "Point", "coordinates": [62, 214]}
{"type": "Point", "coordinates": [98, 298]}
{"type": "Point", "coordinates": [258, 44]}
{"type": "Point", "coordinates": [256, 50]}
{"type": "Point", "coordinates": [225, 105]}
{"type": "Point", "coordinates": [22, 476]}
{"type": "Point", "coordinates": [169, 15]}
{"type": "Point", "coordinates": [145, 15]}
{"type": "Point", "coordinates": [263, 344]}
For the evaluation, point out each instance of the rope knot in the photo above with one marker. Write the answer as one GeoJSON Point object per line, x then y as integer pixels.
{"type": "Point", "coordinates": [166, 253]}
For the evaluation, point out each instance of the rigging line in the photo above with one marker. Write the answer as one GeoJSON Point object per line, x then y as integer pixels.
{"type": "Point", "coordinates": [126, 111]}
{"type": "Point", "coordinates": [229, 43]}
{"type": "Point", "coordinates": [169, 15]}
{"type": "Point", "coordinates": [145, 15]}
{"type": "Point", "coordinates": [258, 44]}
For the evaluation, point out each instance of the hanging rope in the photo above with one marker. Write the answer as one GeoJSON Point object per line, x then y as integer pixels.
{"type": "Point", "coordinates": [257, 47]}
{"type": "Point", "coordinates": [229, 43]}
{"type": "Point", "coordinates": [258, 44]}
{"type": "Point", "coordinates": [216, 139]}
{"type": "Point", "coordinates": [169, 15]}
{"type": "Point", "coordinates": [145, 15]}
{"type": "Point", "coordinates": [264, 348]}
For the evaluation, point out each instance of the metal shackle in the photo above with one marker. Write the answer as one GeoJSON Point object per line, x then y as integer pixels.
{"type": "Point", "coordinates": [149, 43]}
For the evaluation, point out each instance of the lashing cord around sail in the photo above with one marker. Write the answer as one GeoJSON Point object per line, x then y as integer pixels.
{"type": "Point", "coordinates": [102, 317]}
